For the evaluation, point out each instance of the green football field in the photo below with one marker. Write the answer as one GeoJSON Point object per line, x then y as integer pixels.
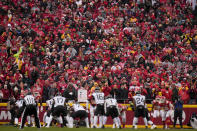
{"type": "Point", "coordinates": [10, 128]}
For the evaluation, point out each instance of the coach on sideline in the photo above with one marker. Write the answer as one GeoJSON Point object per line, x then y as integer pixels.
{"type": "Point", "coordinates": [178, 111]}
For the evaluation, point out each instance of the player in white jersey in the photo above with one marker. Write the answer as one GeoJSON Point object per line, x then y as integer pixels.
{"type": "Point", "coordinates": [98, 97]}
{"type": "Point", "coordinates": [49, 104]}
{"type": "Point", "coordinates": [139, 108]}
{"type": "Point", "coordinates": [79, 112]}
{"type": "Point", "coordinates": [111, 109]}
{"type": "Point", "coordinates": [20, 108]}
{"type": "Point", "coordinates": [58, 109]}
{"type": "Point", "coordinates": [30, 108]}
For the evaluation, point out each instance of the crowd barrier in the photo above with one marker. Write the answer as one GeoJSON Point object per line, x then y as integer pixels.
{"type": "Point", "coordinates": [5, 116]}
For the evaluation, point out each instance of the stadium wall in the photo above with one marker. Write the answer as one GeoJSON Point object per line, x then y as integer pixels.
{"type": "Point", "coordinates": [5, 116]}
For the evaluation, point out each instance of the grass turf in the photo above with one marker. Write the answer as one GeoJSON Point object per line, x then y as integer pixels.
{"type": "Point", "coordinates": [11, 128]}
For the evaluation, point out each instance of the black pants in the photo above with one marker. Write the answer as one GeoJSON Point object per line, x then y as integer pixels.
{"type": "Point", "coordinates": [112, 111]}
{"type": "Point", "coordinates": [99, 110]}
{"type": "Point", "coordinates": [140, 111]}
{"type": "Point", "coordinates": [80, 114]}
{"type": "Point", "coordinates": [49, 113]}
{"type": "Point", "coordinates": [147, 114]}
{"type": "Point", "coordinates": [178, 114]}
{"type": "Point", "coordinates": [59, 110]}
{"type": "Point", "coordinates": [19, 112]}
{"type": "Point", "coordinates": [13, 115]}
{"type": "Point", "coordinates": [28, 111]}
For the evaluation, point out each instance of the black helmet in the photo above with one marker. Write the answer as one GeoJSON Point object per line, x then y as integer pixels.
{"type": "Point", "coordinates": [29, 93]}
{"type": "Point", "coordinates": [109, 96]}
{"type": "Point", "coordinates": [58, 94]}
{"type": "Point", "coordinates": [97, 88]}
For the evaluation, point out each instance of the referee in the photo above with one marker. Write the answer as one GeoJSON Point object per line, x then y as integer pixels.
{"type": "Point", "coordinates": [30, 108]}
{"type": "Point", "coordinates": [178, 111]}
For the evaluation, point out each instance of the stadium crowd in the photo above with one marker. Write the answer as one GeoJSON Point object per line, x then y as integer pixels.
{"type": "Point", "coordinates": [118, 45]}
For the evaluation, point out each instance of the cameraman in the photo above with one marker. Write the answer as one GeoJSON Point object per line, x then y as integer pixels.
{"type": "Point", "coordinates": [178, 111]}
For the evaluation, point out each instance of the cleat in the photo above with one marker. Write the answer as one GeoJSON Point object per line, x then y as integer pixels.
{"type": "Point", "coordinates": [153, 127]}
{"type": "Point", "coordinates": [103, 126]}
{"type": "Point", "coordinates": [134, 127]}
{"type": "Point", "coordinates": [15, 125]}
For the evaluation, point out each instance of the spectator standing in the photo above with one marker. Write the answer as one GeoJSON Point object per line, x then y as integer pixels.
{"type": "Point", "coordinates": [71, 51]}
{"type": "Point", "coordinates": [184, 95]}
{"type": "Point", "coordinates": [70, 92]}
{"type": "Point", "coordinates": [6, 93]}
{"type": "Point", "coordinates": [114, 91]}
{"type": "Point", "coordinates": [34, 75]}
{"type": "Point", "coordinates": [52, 91]}
{"type": "Point", "coordinates": [123, 92]}
{"type": "Point", "coordinates": [175, 92]}
{"type": "Point", "coordinates": [148, 92]}
{"type": "Point", "coordinates": [192, 94]}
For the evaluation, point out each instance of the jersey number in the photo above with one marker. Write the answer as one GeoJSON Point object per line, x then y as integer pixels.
{"type": "Point", "coordinates": [50, 102]}
{"type": "Point", "coordinates": [99, 97]}
{"type": "Point", "coordinates": [59, 100]}
{"type": "Point", "coordinates": [30, 100]}
{"type": "Point", "coordinates": [138, 100]}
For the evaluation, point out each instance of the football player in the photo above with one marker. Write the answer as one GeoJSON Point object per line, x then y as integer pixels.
{"type": "Point", "coordinates": [58, 109]}
{"type": "Point", "coordinates": [156, 107]}
{"type": "Point", "coordinates": [139, 108]}
{"type": "Point", "coordinates": [49, 104]}
{"type": "Point", "coordinates": [79, 112]}
{"type": "Point", "coordinates": [123, 109]}
{"type": "Point", "coordinates": [98, 97]}
{"type": "Point", "coordinates": [147, 114]}
{"type": "Point", "coordinates": [168, 110]}
{"type": "Point", "coordinates": [163, 112]}
{"type": "Point", "coordinates": [20, 108]}
{"type": "Point", "coordinates": [91, 110]}
{"type": "Point", "coordinates": [111, 109]}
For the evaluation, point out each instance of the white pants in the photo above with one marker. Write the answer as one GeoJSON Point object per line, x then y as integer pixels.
{"type": "Point", "coordinates": [163, 114]}
{"type": "Point", "coordinates": [123, 116]}
{"type": "Point", "coordinates": [169, 113]}
{"type": "Point", "coordinates": [92, 110]}
{"type": "Point", "coordinates": [156, 113]}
